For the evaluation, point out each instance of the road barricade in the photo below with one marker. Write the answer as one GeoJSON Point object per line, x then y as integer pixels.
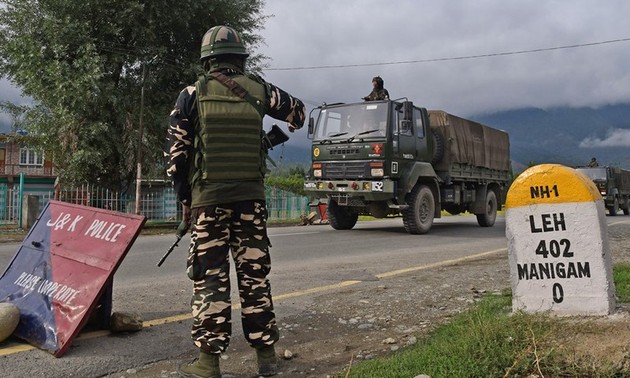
{"type": "Point", "coordinates": [64, 270]}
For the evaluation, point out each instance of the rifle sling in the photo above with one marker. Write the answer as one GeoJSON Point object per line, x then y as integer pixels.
{"type": "Point", "coordinates": [238, 90]}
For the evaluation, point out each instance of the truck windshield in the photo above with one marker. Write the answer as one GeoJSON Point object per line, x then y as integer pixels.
{"type": "Point", "coordinates": [594, 173]}
{"type": "Point", "coordinates": [352, 122]}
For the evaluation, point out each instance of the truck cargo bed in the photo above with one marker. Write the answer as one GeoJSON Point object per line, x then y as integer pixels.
{"type": "Point", "coordinates": [622, 179]}
{"type": "Point", "coordinates": [469, 143]}
{"type": "Point", "coordinates": [469, 173]}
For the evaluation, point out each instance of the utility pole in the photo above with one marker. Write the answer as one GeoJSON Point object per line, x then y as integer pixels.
{"type": "Point", "coordinates": [139, 152]}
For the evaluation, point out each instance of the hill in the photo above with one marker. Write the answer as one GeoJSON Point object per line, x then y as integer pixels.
{"type": "Point", "coordinates": [291, 153]}
{"type": "Point", "coordinates": [568, 136]}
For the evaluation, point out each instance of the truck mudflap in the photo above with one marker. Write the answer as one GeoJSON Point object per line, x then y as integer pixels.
{"type": "Point", "coordinates": [367, 189]}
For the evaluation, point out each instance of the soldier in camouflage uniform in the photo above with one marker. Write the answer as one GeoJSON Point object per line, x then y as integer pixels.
{"type": "Point", "coordinates": [217, 164]}
{"type": "Point", "coordinates": [378, 92]}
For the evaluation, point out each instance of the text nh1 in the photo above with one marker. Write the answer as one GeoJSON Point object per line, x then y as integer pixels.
{"type": "Point", "coordinates": [543, 191]}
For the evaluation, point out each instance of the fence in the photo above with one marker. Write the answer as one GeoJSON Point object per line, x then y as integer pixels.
{"type": "Point", "coordinates": [283, 205]}
{"type": "Point", "coordinates": [157, 203]}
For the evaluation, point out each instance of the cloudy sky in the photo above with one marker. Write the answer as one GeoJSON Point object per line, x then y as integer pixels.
{"type": "Point", "coordinates": [429, 51]}
{"type": "Point", "coordinates": [465, 57]}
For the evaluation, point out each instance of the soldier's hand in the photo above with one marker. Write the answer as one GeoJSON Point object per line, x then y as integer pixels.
{"type": "Point", "coordinates": [291, 128]}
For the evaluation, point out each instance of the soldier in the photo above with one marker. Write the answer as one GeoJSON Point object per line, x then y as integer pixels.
{"type": "Point", "coordinates": [378, 91]}
{"type": "Point", "coordinates": [593, 163]}
{"type": "Point", "coordinates": [217, 164]}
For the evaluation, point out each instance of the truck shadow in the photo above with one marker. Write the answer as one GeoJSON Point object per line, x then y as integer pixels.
{"type": "Point", "coordinates": [439, 229]}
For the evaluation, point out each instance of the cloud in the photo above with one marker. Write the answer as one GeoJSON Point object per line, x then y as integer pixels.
{"type": "Point", "coordinates": [363, 34]}
{"type": "Point", "coordinates": [8, 92]}
{"type": "Point", "coordinates": [615, 138]}
{"type": "Point", "coordinates": [360, 32]}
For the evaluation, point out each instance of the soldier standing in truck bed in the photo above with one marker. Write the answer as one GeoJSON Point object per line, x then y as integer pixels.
{"type": "Point", "coordinates": [378, 91]}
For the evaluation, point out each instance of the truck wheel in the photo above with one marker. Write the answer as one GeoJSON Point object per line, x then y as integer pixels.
{"type": "Point", "coordinates": [339, 217]}
{"type": "Point", "coordinates": [626, 208]}
{"type": "Point", "coordinates": [438, 147]}
{"type": "Point", "coordinates": [418, 217]}
{"type": "Point", "coordinates": [487, 219]}
{"type": "Point", "coordinates": [612, 210]}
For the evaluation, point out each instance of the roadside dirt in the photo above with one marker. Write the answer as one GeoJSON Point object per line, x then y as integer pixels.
{"type": "Point", "coordinates": [328, 333]}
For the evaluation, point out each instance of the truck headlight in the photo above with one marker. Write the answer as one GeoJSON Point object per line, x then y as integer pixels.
{"type": "Point", "coordinates": [376, 172]}
{"type": "Point", "coordinates": [317, 172]}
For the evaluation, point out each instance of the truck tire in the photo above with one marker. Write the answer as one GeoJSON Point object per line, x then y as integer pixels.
{"type": "Point", "coordinates": [339, 217]}
{"type": "Point", "coordinates": [438, 147]}
{"type": "Point", "coordinates": [626, 208]}
{"type": "Point", "coordinates": [418, 217]}
{"type": "Point", "coordinates": [612, 210]}
{"type": "Point", "coordinates": [487, 218]}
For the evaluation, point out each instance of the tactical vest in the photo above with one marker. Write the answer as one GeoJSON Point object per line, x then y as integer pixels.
{"type": "Point", "coordinates": [228, 140]}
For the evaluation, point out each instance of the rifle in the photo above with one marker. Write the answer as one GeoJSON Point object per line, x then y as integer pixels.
{"type": "Point", "coordinates": [179, 234]}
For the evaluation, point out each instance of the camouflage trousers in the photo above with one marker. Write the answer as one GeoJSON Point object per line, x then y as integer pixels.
{"type": "Point", "coordinates": [239, 228]}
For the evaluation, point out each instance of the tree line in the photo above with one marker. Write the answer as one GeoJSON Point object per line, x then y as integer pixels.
{"type": "Point", "coordinates": [97, 71]}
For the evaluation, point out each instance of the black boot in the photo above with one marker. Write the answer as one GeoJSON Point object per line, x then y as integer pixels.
{"type": "Point", "coordinates": [267, 362]}
{"type": "Point", "coordinates": [206, 366]}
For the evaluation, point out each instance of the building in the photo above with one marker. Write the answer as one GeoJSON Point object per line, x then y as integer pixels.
{"type": "Point", "coordinates": [16, 159]}
{"type": "Point", "coordinates": [23, 171]}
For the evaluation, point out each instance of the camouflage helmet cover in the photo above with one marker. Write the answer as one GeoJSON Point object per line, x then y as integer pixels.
{"type": "Point", "coordinates": [220, 40]}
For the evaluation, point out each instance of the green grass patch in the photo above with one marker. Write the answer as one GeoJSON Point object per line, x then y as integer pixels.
{"type": "Point", "coordinates": [482, 342]}
{"type": "Point", "coordinates": [621, 277]}
{"type": "Point", "coordinates": [489, 340]}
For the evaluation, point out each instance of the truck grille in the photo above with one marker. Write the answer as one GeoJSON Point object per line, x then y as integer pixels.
{"type": "Point", "coordinates": [347, 151]}
{"type": "Point", "coordinates": [346, 170]}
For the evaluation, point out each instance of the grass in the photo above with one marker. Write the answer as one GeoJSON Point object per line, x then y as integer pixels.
{"type": "Point", "coordinates": [621, 277]}
{"type": "Point", "coordinates": [489, 340]}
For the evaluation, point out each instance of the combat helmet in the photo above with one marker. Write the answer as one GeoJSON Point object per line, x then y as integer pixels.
{"type": "Point", "coordinates": [220, 40]}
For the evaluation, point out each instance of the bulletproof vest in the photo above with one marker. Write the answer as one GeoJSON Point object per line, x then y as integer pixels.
{"type": "Point", "coordinates": [228, 144]}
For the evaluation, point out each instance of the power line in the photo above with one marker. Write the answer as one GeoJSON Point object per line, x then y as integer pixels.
{"type": "Point", "coordinates": [451, 58]}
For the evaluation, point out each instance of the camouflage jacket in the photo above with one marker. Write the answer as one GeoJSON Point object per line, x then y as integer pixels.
{"type": "Point", "coordinates": [181, 135]}
{"type": "Point", "coordinates": [376, 94]}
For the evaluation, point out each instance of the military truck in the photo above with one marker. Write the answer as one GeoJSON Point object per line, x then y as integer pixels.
{"type": "Point", "coordinates": [384, 158]}
{"type": "Point", "coordinates": [614, 186]}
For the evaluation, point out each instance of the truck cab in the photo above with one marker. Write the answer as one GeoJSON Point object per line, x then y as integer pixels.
{"type": "Point", "coordinates": [373, 144]}
{"type": "Point", "coordinates": [614, 186]}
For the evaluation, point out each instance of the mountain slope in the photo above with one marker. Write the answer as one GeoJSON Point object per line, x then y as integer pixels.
{"type": "Point", "coordinates": [569, 136]}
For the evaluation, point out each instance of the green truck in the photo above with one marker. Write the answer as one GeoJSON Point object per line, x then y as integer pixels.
{"type": "Point", "coordinates": [389, 157]}
{"type": "Point", "coordinates": [613, 184]}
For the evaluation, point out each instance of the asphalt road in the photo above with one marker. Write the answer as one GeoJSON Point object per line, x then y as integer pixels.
{"type": "Point", "coordinates": [305, 260]}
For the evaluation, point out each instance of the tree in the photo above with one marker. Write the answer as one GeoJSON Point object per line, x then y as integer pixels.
{"type": "Point", "coordinates": [85, 63]}
{"type": "Point", "coordinates": [289, 178]}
